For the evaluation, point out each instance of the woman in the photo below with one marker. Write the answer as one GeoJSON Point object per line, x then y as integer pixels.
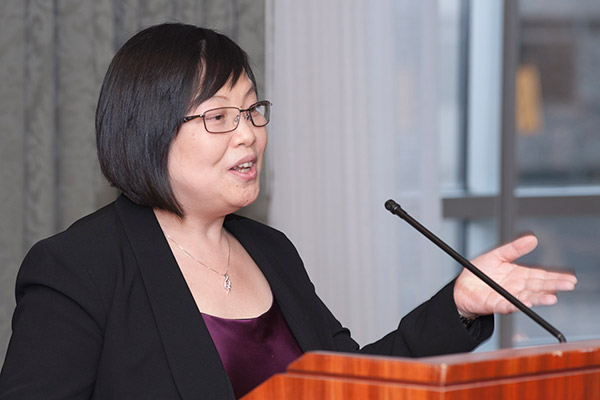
{"type": "Point", "coordinates": [166, 293]}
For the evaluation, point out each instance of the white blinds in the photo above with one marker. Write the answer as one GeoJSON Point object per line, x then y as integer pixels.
{"type": "Point", "coordinates": [355, 122]}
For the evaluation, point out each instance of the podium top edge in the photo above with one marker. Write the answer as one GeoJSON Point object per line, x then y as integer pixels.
{"type": "Point", "coordinates": [453, 368]}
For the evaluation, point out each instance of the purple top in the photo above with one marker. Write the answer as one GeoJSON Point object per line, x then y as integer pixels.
{"type": "Point", "coordinates": [253, 349]}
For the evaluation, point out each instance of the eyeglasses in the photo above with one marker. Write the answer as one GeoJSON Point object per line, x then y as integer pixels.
{"type": "Point", "coordinates": [227, 119]}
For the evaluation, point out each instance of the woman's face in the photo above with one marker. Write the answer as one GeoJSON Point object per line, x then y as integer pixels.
{"type": "Point", "coordinates": [218, 172]}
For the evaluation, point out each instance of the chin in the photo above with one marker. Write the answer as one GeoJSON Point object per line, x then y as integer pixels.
{"type": "Point", "coordinates": [249, 201]}
{"type": "Point", "coordinates": [245, 200]}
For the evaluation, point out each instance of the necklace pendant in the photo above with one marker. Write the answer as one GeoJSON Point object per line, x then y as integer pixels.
{"type": "Point", "coordinates": [227, 283]}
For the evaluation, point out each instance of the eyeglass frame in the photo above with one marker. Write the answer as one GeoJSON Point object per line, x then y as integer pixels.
{"type": "Point", "coordinates": [266, 103]}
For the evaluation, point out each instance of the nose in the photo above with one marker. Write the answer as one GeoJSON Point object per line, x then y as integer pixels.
{"type": "Point", "coordinates": [246, 115]}
{"type": "Point", "coordinates": [244, 133]}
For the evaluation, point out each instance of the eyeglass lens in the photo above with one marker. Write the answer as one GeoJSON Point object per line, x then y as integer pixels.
{"type": "Point", "coordinates": [226, 119]}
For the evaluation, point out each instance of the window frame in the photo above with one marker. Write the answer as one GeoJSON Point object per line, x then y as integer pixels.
{"type": "Point", "coordinates": [510, 202]}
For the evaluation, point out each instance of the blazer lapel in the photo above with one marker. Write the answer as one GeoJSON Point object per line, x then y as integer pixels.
{"type": "Point", "coordinates": [192, 356]}
{"type": "Point", "coordinates": [300, 320]}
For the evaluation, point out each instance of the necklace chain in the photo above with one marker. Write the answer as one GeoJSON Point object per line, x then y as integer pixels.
{"type": "Point", "coordinates": [227, 281]}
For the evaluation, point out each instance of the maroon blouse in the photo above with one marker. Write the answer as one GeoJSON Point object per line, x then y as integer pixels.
{"type": "Point", "coordinates": [253, 349]}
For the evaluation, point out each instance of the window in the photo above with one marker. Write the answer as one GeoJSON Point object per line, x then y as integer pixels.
{"type": "Point", "coordinates": [523, 150]}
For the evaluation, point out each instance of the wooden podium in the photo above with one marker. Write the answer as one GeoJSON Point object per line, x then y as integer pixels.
{"type": "Point", "coordinates": [566, 371]}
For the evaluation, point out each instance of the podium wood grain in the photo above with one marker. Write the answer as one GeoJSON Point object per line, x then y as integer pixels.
{"type": "Point", "coordinates": [555, 372]}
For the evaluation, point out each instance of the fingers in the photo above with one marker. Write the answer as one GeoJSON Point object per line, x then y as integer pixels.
{"type": "Point", "coordinates": [548, 284]}
{"type": "Point", "coordinates": [500, 305]}
{"type": "Point", "coordinates": [565, 285]}
{"type": "Point", "coordinates": [532, 288]}
{"type": "Point", "coordinates": [550, 275]}
{"type": "Point", "coordinates": [538, 280]}
{"type": "Point", "coordinates": [517, 248]}
{"type": "Point", "coordinates": [546, 299]}
{"type": "Point", "coordinates": [566, 277]}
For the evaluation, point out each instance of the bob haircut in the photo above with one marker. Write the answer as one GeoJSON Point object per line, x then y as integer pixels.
{"type": "Point", "coordinates": [155, 79]}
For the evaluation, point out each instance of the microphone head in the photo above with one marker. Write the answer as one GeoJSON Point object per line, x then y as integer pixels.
{"type": "Point", "coordinates": [392, 206]}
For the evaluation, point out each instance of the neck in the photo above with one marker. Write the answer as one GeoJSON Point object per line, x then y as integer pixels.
{"type": "Point", "coordinates": [207, 230]}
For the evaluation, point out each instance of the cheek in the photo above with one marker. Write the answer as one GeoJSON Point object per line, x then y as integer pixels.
{"type": "Point", "coordinates": [184, 161]}
{"type": "Point", "coordinates": [262, 140]}
{"type": "Point", "coordinates": [197, 151]}
{"type": "Point", "coordinates": [174, 161]}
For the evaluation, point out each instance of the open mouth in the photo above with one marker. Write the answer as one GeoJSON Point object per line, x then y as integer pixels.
{"type": "Point", "coordinates": [244, 167]}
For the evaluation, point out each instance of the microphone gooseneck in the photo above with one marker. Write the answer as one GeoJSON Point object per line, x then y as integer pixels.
{"type": "Point", "coordinates": [395, 208]}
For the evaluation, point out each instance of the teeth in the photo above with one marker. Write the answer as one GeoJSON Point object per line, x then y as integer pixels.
{"type": "Point", "coordinates": [244, 167]}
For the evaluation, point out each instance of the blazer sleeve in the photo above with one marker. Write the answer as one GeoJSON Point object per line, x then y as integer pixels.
{"type": "Point", "coordinates": [433, 328]}
{"type": "Point", "coordinates": [57, 336]}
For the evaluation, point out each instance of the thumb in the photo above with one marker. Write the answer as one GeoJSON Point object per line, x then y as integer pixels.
{"type": "Point", "coordinates": [517, 248]}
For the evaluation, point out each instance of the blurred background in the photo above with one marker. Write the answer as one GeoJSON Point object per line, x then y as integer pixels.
{"type": "Point", "coordinates": [480, 118]}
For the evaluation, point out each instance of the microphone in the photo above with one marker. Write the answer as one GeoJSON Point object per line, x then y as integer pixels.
{"type": "Point", "coordinates": [395, 208]}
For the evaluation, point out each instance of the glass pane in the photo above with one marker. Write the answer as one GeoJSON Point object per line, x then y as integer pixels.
{"type": "Point", "coordinates": [470, 37]}
{"type": "Point", "coordinates": [484, 97]}
{"type": "Point", "coordinates": [558, 93]}
{"type": "Point", "coordinates": [451, 90]}
{"type": "Point", "coordinates": [571, 243]}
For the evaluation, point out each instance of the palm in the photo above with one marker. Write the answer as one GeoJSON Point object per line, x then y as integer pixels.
{"type": "Point", "coordinates": [533, 286]}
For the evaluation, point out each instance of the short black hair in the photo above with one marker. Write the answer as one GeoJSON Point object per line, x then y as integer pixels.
{"type": "Point", "coordinates": [154, 80]}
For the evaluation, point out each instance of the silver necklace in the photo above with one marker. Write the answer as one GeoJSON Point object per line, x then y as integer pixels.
{"type": "Point", "coordinates": [227, 281]}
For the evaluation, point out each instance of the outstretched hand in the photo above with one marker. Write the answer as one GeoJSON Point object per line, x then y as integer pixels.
{"type": "Point", "coordinates": [533, 286]}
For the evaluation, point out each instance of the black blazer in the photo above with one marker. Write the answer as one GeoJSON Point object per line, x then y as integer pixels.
{"type": "Point", "coordinates": [103, 312]}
